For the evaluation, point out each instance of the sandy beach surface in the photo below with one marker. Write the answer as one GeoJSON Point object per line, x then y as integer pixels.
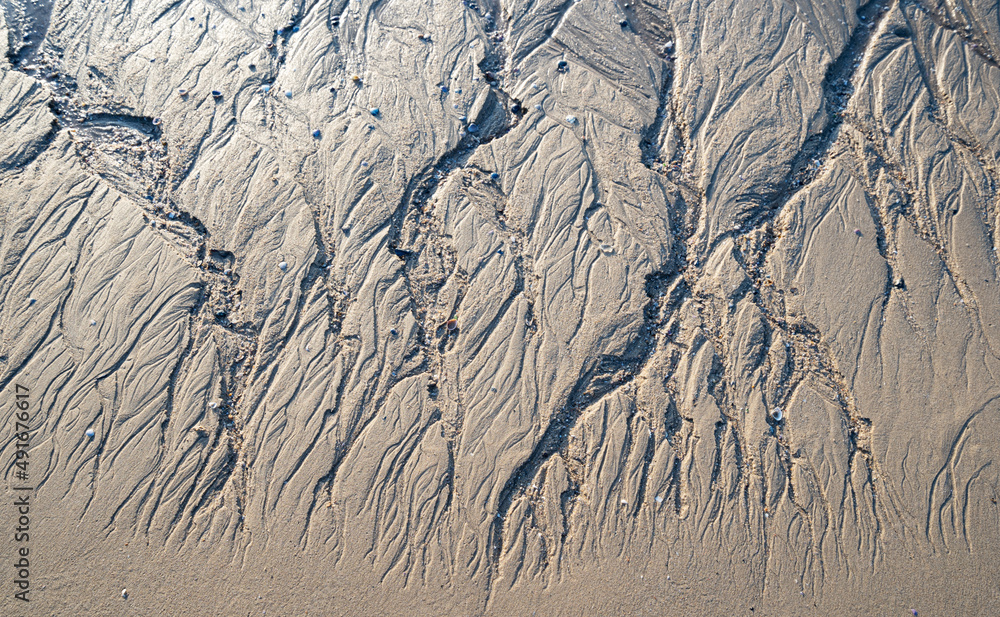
{"type": "Point", "coordinates": [499, 307]}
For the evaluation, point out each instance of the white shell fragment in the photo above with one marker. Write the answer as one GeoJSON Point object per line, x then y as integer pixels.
{"type": "Point", "coordinates": [776, 414]}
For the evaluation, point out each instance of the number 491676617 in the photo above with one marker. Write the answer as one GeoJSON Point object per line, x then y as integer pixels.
{"type": "Point", "coordinates": [21, 434]}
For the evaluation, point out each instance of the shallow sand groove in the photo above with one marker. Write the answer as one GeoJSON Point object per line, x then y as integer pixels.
{"type": "Point", "coordinates": [576, 307]}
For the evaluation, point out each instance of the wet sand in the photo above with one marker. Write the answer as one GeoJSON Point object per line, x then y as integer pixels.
{"type": "Point", "coordinates": [566, 308]}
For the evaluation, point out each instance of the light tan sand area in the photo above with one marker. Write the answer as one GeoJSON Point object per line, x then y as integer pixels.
{"type": "Point", "coordinates": [499, 307]}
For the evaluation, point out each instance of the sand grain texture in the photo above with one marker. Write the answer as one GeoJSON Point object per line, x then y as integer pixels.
{"type": "Point", "coordinates": [658, 227]}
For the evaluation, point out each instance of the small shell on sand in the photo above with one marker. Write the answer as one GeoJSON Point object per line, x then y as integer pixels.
{"type": "Point", "coordinates": [283, 266]}
{"type": "Point", "coordinates": [90, 433]}
{"type": "Point", "coordinates": [776, 414]}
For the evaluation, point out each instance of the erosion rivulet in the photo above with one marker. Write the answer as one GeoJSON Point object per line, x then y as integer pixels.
{"type": "Point", "coordinates": [500, 307]}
